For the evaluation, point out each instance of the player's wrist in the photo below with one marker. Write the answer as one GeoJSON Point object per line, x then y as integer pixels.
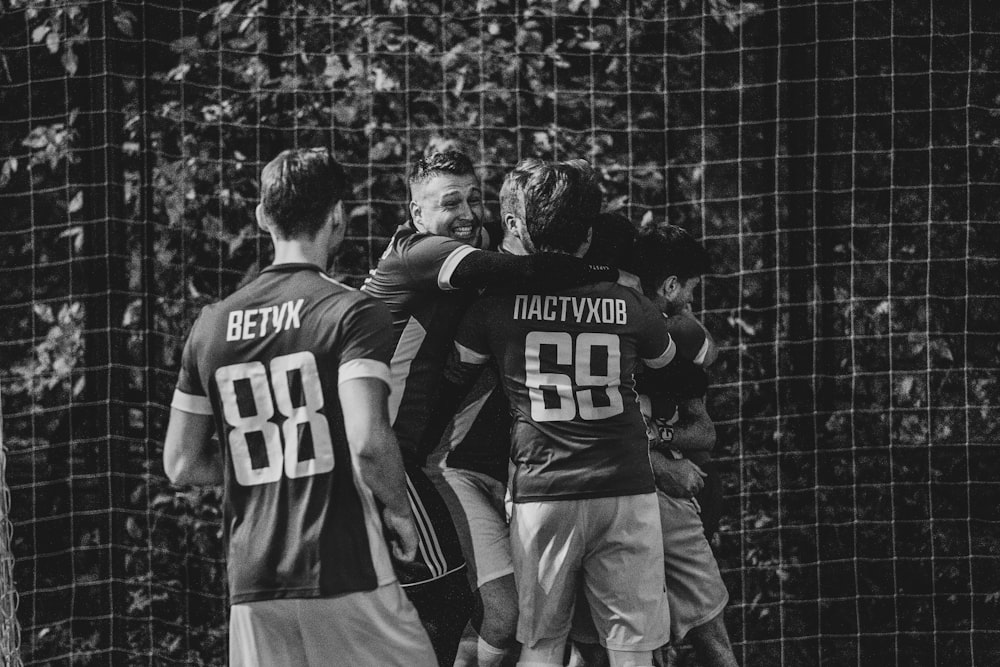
{"type": "Point", "coordinates": [666, 433]}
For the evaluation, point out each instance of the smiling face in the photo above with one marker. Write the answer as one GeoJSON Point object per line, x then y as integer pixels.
{"type": "Point", "coordinates": [449, 205]}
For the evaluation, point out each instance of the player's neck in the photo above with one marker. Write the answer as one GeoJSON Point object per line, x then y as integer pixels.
{"type": "Point", "coordinates": [512, 245]}
{"type": "Point", "coordinates": [300, 251]}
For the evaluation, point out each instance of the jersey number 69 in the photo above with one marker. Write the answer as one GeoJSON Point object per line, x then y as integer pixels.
{"type": "Point", "coordinates": [251, 381]}
{"type": "Point", "coordinates": [582, 400]}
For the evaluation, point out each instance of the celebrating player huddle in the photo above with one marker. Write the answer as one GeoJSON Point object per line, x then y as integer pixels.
{"type": "Point", "coordinates": [467, 425]}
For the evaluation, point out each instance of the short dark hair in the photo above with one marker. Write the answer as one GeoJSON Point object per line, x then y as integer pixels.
{"type": "Point", "coordinates": [441, 162]}
{"type": "Point", "coordinates": [299, 188]}
{"type": "Point", "coordinates": [561, 201]}
{"type": "Point", "coordinates": [664, 250]}
{"type": "Point", "coordinates": [612, 240]}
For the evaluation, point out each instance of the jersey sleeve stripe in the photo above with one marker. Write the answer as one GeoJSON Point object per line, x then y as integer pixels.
{"type": "Point", "coordinates": [196, 405]}
{"type": "Point", "coordinates": [467, 356]}
{"type": "Point", "coordinates": [407, 347]}
{"type": "Point", "coordinates": [450, 264]}
{"type": "Point", "coordinates": [363, 368]}
{"type": "Point", "coordinates": [703, 352]}
{"type": "Point", "coordinates": [663, 359]}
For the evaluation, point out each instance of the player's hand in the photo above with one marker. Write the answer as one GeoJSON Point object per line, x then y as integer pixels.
{"type": "Point", "coordinates": [629, 280]}
{"type": "Point", "coordinates": [678, 478]}
{"type": "Point", "coordinates": [401, 534]}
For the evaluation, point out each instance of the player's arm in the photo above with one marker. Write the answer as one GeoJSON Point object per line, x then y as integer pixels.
{"type": "Point", "coordinates": [678, 478]}
{"type": "Point", "coordinates": [656, 346]}
{"type": "Point", "coordinates": [364, 401]}
{"type": "Point", "coordinates": [694, 340]}
{"type": "Point", "coordinates": [694, 429]}
{"type": "Point", "coordinates": [364, 340]}
{"type": "Point", "coordinates": [503, 272]}
{"type": "Point", "coordinates": [190, 456]}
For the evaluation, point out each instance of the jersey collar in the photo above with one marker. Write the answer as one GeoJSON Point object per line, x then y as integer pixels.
{"type": "Point", "coordinates": [291, 267]}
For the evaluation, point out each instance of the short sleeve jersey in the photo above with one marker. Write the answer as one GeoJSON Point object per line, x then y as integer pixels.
{"type": "Point", "coordinates": [413, 278]}
{"type": "Point", "coordinates": [568, 363]}
{"type": "Point", "coordinates": [267, 362]}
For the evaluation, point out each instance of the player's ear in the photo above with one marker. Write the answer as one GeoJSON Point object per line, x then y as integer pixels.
{"type": "Point", "coordinates": [510, 222]}
{"type": "Point", "coordinates": [337, 215]}
{"type": "Point", "coordinates": [669, 286]}
{"type": "Point", "coordinates": [261, 217]}
{"type": "Point", "coordinates": [414, 212]}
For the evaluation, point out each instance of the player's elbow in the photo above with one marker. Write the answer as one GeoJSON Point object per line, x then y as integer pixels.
{"type": "Point", "coordinates": [370, 445]}
{"type": "Point", "coordinates": [192, 468]}
{"type": "Point", "coordinates": [176, 467]}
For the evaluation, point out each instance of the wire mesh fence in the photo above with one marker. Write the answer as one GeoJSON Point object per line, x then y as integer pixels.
{"type": "Point", "coordinates": [839, 160]}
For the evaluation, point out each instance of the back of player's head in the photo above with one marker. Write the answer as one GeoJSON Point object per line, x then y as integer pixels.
{"type": "Point", "coordinates": [612, 240]}
{"type": "Point", "coordinates": [663, 250]}
{"type": "Point", "coordinates": [442, 162]}
{"type": "Point", "coordinates": [299, 188]}
{"type": "Point", "coordinates": [560, 200]}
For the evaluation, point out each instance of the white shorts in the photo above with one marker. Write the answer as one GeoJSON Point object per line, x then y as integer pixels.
{"type": "Point", "coordinates": [695, 589]}
{"type": "Point", "coordinates": [476, 503]}
{"type": "Point", "coordinates": [612, 549]}
{"type": "Point", "coordinates": [378, 627]}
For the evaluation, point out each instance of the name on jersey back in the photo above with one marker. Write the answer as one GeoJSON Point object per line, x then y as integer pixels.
{"type": "Point", "coordinates": [585, 310]}
{"type": "Point", "coordinates": [258, 322]}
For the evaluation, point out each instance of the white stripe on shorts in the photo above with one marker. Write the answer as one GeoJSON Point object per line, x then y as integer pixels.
{"type": "Point", "coordinates": [428, 545]}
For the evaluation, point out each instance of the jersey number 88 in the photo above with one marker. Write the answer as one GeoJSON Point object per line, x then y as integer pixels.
{"type": "Point", "coordinates": [281, 443]}
{"type": "Point", "coordinates": [581, 401]}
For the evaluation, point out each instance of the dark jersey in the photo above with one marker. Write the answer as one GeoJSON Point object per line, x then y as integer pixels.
{"type": "Point", "coordinates": [266, 362]}
{"type": "Point", "coordinates": [478, 437]}
{"type": "Point", "coordinates": [567, 363]}
{"type": "Point", "coordinates": [413, 279]}
{"type": "Point", "coordinates": [416, 277]}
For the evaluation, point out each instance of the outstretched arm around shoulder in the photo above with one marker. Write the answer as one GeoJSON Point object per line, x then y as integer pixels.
{"type": "Point", "coordinates": [501, 271]}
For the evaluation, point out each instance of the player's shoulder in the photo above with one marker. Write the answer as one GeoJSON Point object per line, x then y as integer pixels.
{"type": "Point", "coordinates": [408, 240]}
{"type": "Point", "coordinates": [685, 329]}
{"type": "Point", "coordinates": [338, 298]}
{"type": "Point", "coordinates": [412, 253]}
{"type": "Point", "coordinates": [688, 335]}
{"type": "Point", "coordinates": [633, 297]}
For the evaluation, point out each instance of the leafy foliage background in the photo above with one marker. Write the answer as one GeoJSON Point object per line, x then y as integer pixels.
{"type": "Point", "coordinates": [839, 159]}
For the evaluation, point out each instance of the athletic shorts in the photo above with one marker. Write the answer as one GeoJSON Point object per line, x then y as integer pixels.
{"type": "Point", "coordinates": [476, 503]}
{"type": "Point", "coordinates": [377, 627]}
{"type": "Point", "coordinates": [695, 589]}
{"type": "Point", "coordinates": [611, 550]}
{"type": "Point", "coordinates": [439, 551]}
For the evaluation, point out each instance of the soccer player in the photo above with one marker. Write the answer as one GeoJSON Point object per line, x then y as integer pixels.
{"type": "Point", "coordinates": [670, 263]}
{"type": "Point", "coordinates": [433, 267]}
{"type": "Point", "coordinates": [292, 372]}
{"type": "Point", "coordinates": [468, 437]}
{"type": "Point", "coordinates": [584, 503]}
